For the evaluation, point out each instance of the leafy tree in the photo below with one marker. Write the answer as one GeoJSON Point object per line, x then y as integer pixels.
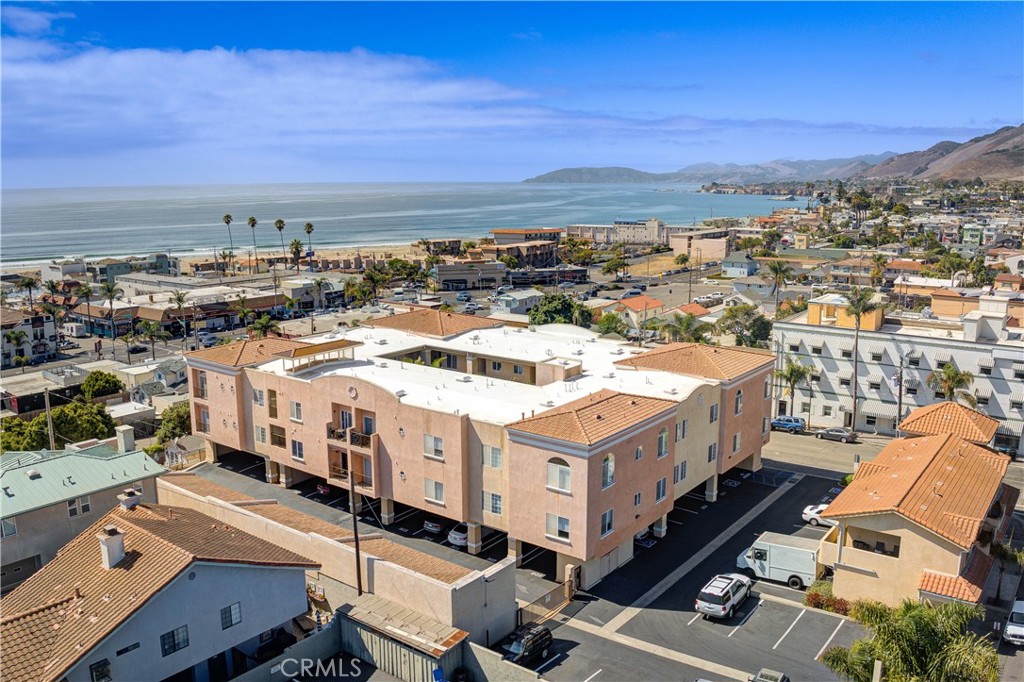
{"type": "Point", "coordinates": [101, 383]}
{"type": "Point", "coordinates": [860, 302]}
{"type": "Point", "coordinates": [771, 238]}
{"type": "Point", "coordinates": [609, 323]}
{"type": "Point", "coordinates": [878, 264]}
{"type": "Point", "coordinates": [901, 209]}
{"type": "Point", "coordinates": [681, 259]}
{"type": "Point", "coordinates": [843, 242]}
{"type": "Point", "coordinates": [953, 384]}
{"type": "Point", "coordinates": [79, 421]}
{"type": "Point", "coordinates": [263, 327]}
{"type": "Point", "coordinates": [686, 328]}
{"type": "Point", "coordinates": [748, 244]}
{"type": "Point", "coordinates": [376, 279]}
{"type": "Point", "coordinates": [559, 308]}
{"type": "Point", "coordinates": [616, 265]}
{"type": "Point", "coordinates": [402, 269]}
{"type": "Point", "coordinates": [175, 421]}
{"type": "Point", "coordinates": [749, 327]}
{"type": "Point", "coordinates": [917, 641]}
{"type": "Point", "coordinates": [510, 261]}
{"type": "Point", "coordinates": [19, 434]}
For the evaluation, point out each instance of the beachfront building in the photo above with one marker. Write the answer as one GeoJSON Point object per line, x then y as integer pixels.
{"type": "Point", "coordinates": [650, 231]}
{"type": "Point", "coordinates": [429, 410]}
{"type": "Point", "coordinates": [919, 521]}
{"type": "Point", "coordinates": [460, 275]}
{"type": "Point", "coordinates": [985, 341]}
{"type": "Point", "coordinates": [50, 496]}
{"type": "Point", "coordinates": [28, 335]}
{"type": "Point", "coordinates": [58, 271]}
{"type": "Point", "coordinates": [702, 243]}
{"type": "Point", "coordinates": [517, 235]}
{"type": "Point", "coordinates": [528, 254]}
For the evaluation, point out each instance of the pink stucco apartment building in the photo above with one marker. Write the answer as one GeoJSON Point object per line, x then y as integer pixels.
{"type": "Point", "coordinates": [562, 439]}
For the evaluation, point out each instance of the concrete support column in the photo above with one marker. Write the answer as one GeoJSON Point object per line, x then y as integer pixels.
{"type": "Point", "coordinates": [387, 511]}
{"type": "Point", "coordinates": [273, 470]}
{"type": "Point", "coordinates": [209, 451]}
{"type": "Point", "coordinates": [660, 528]}
{"type": "Point", "coordinates": [515, 549]}
{"type": "Point", "coordinates": [711, 489]}
{"type": "Point", "coordinates": [286, 476]}
{"type": "Point", "coordinates": [473, 538]}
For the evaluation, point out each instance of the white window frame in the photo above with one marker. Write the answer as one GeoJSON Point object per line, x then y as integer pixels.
{"type": "Point", "coordinates": [431, 488]}
{"type": "Point", "coordinates": [491, 456]}
{"type": "Point", "coordinates": [738, 402]}
{"type": "Point", "coordinates": [639, 453]}
{"type": "Point", "coordinates": [637, 498]}
{"type": "Point", "coordinates": [737, 442]}
{"type": "Point", "coordinates": [767, 389]}
{"type": "Point", "coordinates": [491, 502]}
{"type": "Point", "coordinates": [518, 370]}
{"type": "Point", "coordinates": [712, 452]}
{"type": "Point", "coordinates": [258, 397]}
{"type": "Point", "coordinates": [826, 410]}
{"type": "Point", "coordinates": [295, 411]}
{"type": "Point", "coordinates": [607, 522]}
{"type": "Point", "coordinates": [298, 451]}
{"type": "Point", "coordinates": [80, 506]}
{"type": "Point", "coordinates": [558, 474]}
{"type": "Point", "coordinates": [608, 471]}
{"type": "Point", "coordinates": [433, 447]}
{"type": "Point", "coordinates": [679, 472]}
{"type": "Point", "coordinates": [259, 433]}
{"type": "Point", "coordinates": [234, 614]}
{"type": "Point", "coordinates": [554, 527]}
{"type": "Point", "coordinates": [662, 443]}
{"type": "Point", "coordinates": [8, 527]}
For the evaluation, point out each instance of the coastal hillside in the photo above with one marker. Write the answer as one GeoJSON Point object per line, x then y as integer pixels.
{"type": "Point", "coordinates": [615, 174]}
{"type": "Point", "coordinates": [996, 156]}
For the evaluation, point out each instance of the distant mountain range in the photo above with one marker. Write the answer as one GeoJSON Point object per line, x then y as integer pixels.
{"type": "Point", "coordinates": [996, 156]}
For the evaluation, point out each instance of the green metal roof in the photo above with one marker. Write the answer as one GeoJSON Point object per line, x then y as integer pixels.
{"type": "Point", "coordinates": [33, 480]}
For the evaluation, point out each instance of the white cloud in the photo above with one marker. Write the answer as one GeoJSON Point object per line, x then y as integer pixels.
{"type": "Point", "coordinates": [24, 20]}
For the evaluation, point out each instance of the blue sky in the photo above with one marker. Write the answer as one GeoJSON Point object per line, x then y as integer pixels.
{"type": "Point", "coordinates": [122, 93]}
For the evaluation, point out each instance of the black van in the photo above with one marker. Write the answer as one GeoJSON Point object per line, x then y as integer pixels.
{"type": "Point", "coordinates": [528, 643]}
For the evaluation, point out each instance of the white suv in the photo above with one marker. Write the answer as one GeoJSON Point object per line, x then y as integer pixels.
{"type": "Point", "coordinates": [723, 595]}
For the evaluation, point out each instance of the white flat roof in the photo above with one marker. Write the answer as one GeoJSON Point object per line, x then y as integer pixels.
{"type": "Point", "coordinates": [486, 398]}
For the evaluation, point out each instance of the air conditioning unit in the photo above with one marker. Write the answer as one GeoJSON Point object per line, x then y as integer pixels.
{"type": "Point", "coordinates": [548, 403]}
{"type": "Point", "coordinates": [382, 342]}
{"type": "Point", "coordinates": [466, 379]}
{"type": "Point", "coordinates": [400, 393]}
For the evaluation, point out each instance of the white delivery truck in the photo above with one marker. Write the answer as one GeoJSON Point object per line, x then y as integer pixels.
{"type": "Point", "coordinates": [783, 558]}
{"type": "Point", "coordinates": [75, 330]}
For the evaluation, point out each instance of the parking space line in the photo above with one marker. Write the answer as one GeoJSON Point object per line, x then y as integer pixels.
{"type": "Point", "coordinates": [678, 523]}
{"type": "Point", "coordinates": [530, 556]}
{"type": "Point", "coordinates": [254, 466]}
{"type": "Point", "coordinates": [594, 675]}
{"type": "Point", "coordinates": [406, 514]}
{"type": "Point", "coordinates": [688, 511]}
{"type": "Point", "coordinates": [829, 640]}
{"type": "Point", "coordinates": [695, 617]}
{"type": "Point", "coordinates": [547, 663]}
{"type": "Point", "coordinates": [494, 542]}
{"type": "Point", "coordinates": [417, 532]}
{"type": "Point", "coordinates": [798, 617]}
{"type": "Point", "coordinates": [746, 618]}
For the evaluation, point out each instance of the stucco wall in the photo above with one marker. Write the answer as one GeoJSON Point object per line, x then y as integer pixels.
{"type": "Point", "coordinates": [749, 423]}
{"type": "Point", "coordinates": [693, 447]}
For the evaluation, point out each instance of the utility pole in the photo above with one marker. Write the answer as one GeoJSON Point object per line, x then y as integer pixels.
{"type": "Point", "coordinates": [898, 379]}
{"type": "Point", "coordinates": [49, 420]}
{"type": "Point", "coordinates": [355, 524]}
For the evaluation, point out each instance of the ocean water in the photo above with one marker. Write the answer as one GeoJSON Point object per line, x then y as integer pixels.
{"type": "Point", "coordinates": [37, 225]}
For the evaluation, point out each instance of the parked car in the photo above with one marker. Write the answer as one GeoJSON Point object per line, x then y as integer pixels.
{"type": "Point", "coordinates": [459, 535]}
{"type": "Point", "coordinates": [566, 285]}
{"type": "Point", "coordinates": [766, 675]}
{"type": "Point", "coordinates": [1013, 631]}
{"type": "Point", "coordinates": [723, 595]}
{"type": "Point", "coordinates": [528, 644]}
{"type": "Point", "coordinates": [630, 293]}
{"type": "Point", "coordinates": [504, 289]}
{"type": "Point", "coordinates": [473, 306]}
{"type": "Point", "coordinates": [137, 348]}
{"type": "Point", "coordinates": [785, 422]}
{"type": "Point", "coordinates": [432, 526]}
{"type": "Point", "coordinates": [812, 515]}
{"type": "Point", "coordinates": [463, 296]}
{"type": "Point", "coordinates": [839, 433]}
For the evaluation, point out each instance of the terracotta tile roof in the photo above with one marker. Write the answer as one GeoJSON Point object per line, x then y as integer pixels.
{"type": "Point", "coordinates": [591, 419]}
{"type": "Point", "coordinates": [700, 360]}
{"type": "Point", "coordinates": [944, 483]}
{"type": "Point", "coordinates": [950, 417]}
{"type": "Point", "coordinates": [9, 317]}
{"type": "Point", "coordinates": [900, 264]}
{"type": "Point", "coordinates": [248, 352]}
{"type": "Point", "coordinates": [1008, 277]}
{"type": "Point", "coordinates": [946, 293]}
{"type": "Point", "coordinates": [641, 303]}
{"type": "Point", "coordinates": [437, 323]}
{"type": "Point", "coordinates": [695, 309]}
{"type": "Point", "coordinates": [71, 604]}
{"type": "Point", "coordinates": [967, 587]}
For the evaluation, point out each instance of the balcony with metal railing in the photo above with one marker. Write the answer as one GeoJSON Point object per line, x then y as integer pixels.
{"type": "Point", "coordinates": [337, 433]}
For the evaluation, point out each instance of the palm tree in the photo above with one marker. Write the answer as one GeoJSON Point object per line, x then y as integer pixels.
{"type": "Point", "coordinates": [111, 292]}
{"type": "Point", "coordinates": [151, 332]}
{"type": "Point", "coordinates": [375, 278]}
{"type": "Point", "coordinates": [239, 307]}
{"type": "Point", "coordinates": [227, 257]}
{"type": "Point", "coordinates": [777, 273]}
{"type": "Point", "coordinates": [178, 299]}
{"type": "Point", "coordinates": [85, 291]}
{"type": "Point", "coordinates": [296, 249]}
{"type": "Point", "coordinates": [27, 283]}
{"type": "Point", "coordinates": [792, 375]}
{"type": "Point", "coordinates": [860, 302]}
{"type": "Point", "coordinates": [356, 290]}
{"type": "Point", "coordinates": [263, 327]}
{"type": "Point", "coordinates": [279, 226]}
{"type": "Point", "coordinates": [879, 262]}
{"type": "Point", "coordinates": [686, 328]}
{"type": "Point", "coordinates": [319, 284]}
{"type": "Point", "coordinates": [17, 338]}
{"type": "Point", "coordinates": [231, 242]}
{"type": "Point", "coordinates": [53, 288]}
{"type": "Point", "coordinates": [308, 229]}
{"type": "Point", "coordinates": [952, 383]}
{"type": "Point", "coordinates": [291, 304]}
{"type": "Point", "coordinates": [255, 255]}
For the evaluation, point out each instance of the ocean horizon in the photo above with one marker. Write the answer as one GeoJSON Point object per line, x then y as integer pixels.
{"type": "Point", "coordinates": [40, 225]}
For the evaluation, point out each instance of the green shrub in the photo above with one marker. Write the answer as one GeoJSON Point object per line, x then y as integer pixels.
{"type": "Point", "coordinates": [845, 480]}
{"type": "Point", "coordinates": [823, 587]}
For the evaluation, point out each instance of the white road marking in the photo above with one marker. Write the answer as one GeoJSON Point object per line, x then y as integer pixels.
{"type": "Point", "coordinates": [254, 466]}
{"type": "Point", "coordinates": [530, 556]}
{"type": "Point", "coordinates": [799, 616]}
{"type": "Point", "coordinates": [404, 514]}
{"type": "Point", "coordinates": [746, 618]}
{"type": "Point", "coordinates": [417, 532]}
{"type": "Point", "coordinates": [829, 641]}
{"type": "Point", "coordinates": [594, 675]}
{"type": "Point", "coordinates": [596, 620]}
{"type": "Point", "coordinates": [695, 617]}
{"type": "Point", "coordinates": [688, 511]}
{"type": "Point", "coordinates": [678, 523]}
{"type": "Point", "coordinates": [549, 662]}
{"type": "Point", "coordinates": [492, 543]}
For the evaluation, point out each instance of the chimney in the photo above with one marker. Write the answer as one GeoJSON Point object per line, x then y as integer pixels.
{"type": "Point", "coordinates": [111, 546]}
{"type": "Point", "coordinates": [125, 438]}
{"type": "Point", "coordinates": [128, 499]}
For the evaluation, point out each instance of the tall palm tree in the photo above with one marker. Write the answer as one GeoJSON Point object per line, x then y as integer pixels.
{"type": "Point", "coordinates": [879, 262]}
{"type": "Point", "coordinates": [777, 273]}
{"type": "Point", "coordinates": [356, 290]}
{"type": "Point", "coordinates": [296, 250]}
{"type": "Point", "coordinates": [85, 291]}
{"type": "Point", "coordinates": [319, 284]}
{"type": "Point", "coordinates": [792, 375]}
{"type": "Point", "coordinates": [255, 255]}
{"type": "Point", "coordinates": [279, 226]}
{"type": "Point", "coordinates": [241, 309]}
{"type": "Point", "coordinates": [178, 299]}
{"type": "Point", "coordinates": [860, 302]}
{"type": "Point", "coordinates": [375, 278]}
{"type": "Point", "coordinates": [231, 242]}
{"type": "Point", "coordinates": [27, 284]}
{"type": "Point", "coordinates": [17, 338]}
{"type": "Point", "coordinates": [263, 327]}
{"type": "Point", "coordinates": [111, 292]}
{"type": "Point", "coordinates": [308, 229]}
{"type": "Point", "coordinates": [291, 304]}
{"type": "Point", "coordinates": [53, 288]}
{"type": "Point", "coordinates": [686, 328]}
{"type": "Point", "coordinates": [151, 332]}
{"type": "Point", "coordinates": [953, 384]}
{"type": "Point", "coordinates": [227, 257]}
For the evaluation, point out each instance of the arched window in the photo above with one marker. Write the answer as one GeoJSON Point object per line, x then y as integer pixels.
{"type": "Point", "coordinates": [639, 452]}
{"type": "Point", "coordinates": [558, 474]}
{"type": "Point", "coordinates": [739, 401]}
{"type": "Point", "coordinates": [608, 470]}
{"type": "Point", "coordinates": [662, 443]}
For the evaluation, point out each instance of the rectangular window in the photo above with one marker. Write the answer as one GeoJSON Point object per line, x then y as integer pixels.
{"type": "Point", "coordinates": [607, 522]}
{"type": "Point", "coordinates": [1016, 404]}
{"type": "Point", "coordinates": [713, 415]}
{"type": "Point", "coordinates": [844, 381]}
{"type": "Point", "coordinates": [433, 446]}
{"type": "Point", "coordinates": [713, 452]}
{"type": "Point", "coordinates": [805, 407]}
{"type": "Point", "coordinates": [201, 387]}
{"type": "Point", "coordinates": [8, 528]}
{"type": "Point", "coordinates": [940, 395]}
{"type": "Point", "coordinates": [100, 671]}
{"type": "Point", "coordinates": [230, 615]}
{"type": "Point", "coordinates": [128, 649]}
{"type": "Point", "coordinates": [295, 411]}
{"type": "Point", "coordinates": [794, 348]}
{"type": "Point", "coordinates": [272, 403]}
{"type": "Point", "coordinates": [876, 357]}
{"type": "Point", "coordinates": [495, 366]}
{"type": "Point", "coordinates": [679, 472]}
{"type": "Point", "coordinates": [816, 350]}
{"type": "Point", "coordinates": [941, 364]}
{"type": "Point", "coordinates": [346, 419]}
{"type": "Point", "coordinates": [277, 438]}
{"type": "Point", "coordinates": [557, 527]}
{"type": "Point", "coordinates": [433, 490]}
{"type": "Point", "coordinates": [491, 502]}
{"type": "Point", "coordinates": [260, 434]}
{"type": "Point", "coordinates": [875, 385]}
{"type": "Point", "coordinates": [558, 476]}
{"type": "Point", "coordinates": [257, 396]}
{"type": "Point", "coordinates": [517, 370]}
{"type": "Point", "coordinates": [766, 425]}
{"type": "Point", "coordinates": [985, 371]}
{"type": "Point", "coordinates": [661, 490]}
{"type": "Point", "coordinates": [767, 389]}
{"type": "Point", "coordinates": [204, 420]}
{"type": "Point", "coordinates": [815, 378]}
{"type": "Point", "coordinates": [637, 498]}
{"type": "Point", "coordinates": [982, 400]}
{"type": "Point", "coordinates": [846, 354]}
{"type": "Point", "coordinates": [870, 420]}
{"type": "Point", "coordinates": [79, 505]}
{"type": "Point", "coordinates": [826, 410]}
{"type": "Point", "coordinates": [639, 453]}
{"type": "Point", "coordinates": [685, 425]}
{"type": "Point", "coordinates": [735, 442]}
{"type": "Point", "coordinates": [914, 362]}
{"type": "Point", "coordinates": [175, 640]}
{"type": "Point", "coordinates": [678, 431]}
{"type": "Point", "coordinates": [491, 456]}
{"type": "Point", "coordinates": [1018, 373]}
{"type": "Point", "coordinates": [297, 452]}
{"type": "Point", "coordinates": [911, 390]}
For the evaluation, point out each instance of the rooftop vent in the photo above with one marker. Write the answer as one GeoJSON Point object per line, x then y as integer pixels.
{"type": "Point", "coordinates": [401, 393]}
{"type": "Point", "coordinates": [33, 474]}
{"type": "Point", "coordinates": [382, 342]}
{"type": "Point", "coordinates": [466, 379]}
{"type": "Point", "coordinates": [548, 403]}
